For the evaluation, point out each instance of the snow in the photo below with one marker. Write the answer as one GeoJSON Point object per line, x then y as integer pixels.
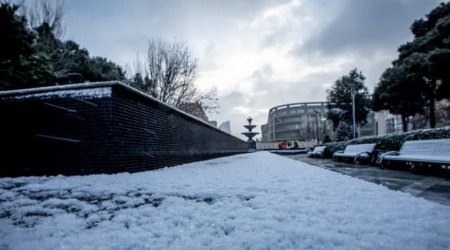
{"type": "Point", "coordinates": [250, 201]}
{"type": "Point", "coordinates": [90, 93]}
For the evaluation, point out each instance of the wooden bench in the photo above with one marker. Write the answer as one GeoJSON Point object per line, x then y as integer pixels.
{"type": "Point", "coordinates": [355, 152]}
{"type": "Point", "coordinates": [419, 154]}
{"type": "Point", "coordinates": [317, 152]}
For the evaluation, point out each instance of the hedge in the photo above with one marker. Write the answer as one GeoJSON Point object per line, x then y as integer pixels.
{"type": "Point", "coordinates": [391, 142]}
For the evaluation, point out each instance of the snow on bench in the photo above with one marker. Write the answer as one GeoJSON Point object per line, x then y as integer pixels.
{"type": "Point", "coordinates": [413, 153]}
{"type": "Point", "coordinates": [317, 152]}
{"type": "Point", "coordinates": [355, 151]}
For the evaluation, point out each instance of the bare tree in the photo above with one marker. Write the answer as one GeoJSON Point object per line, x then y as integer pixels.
{"type": "Point", "coordinates": [171, 70]}
{"type": "Point", "coordinates": [169, 76]}
{"type": "Point", "coordinates": [208, 101]}
{"type": "Point", "coordinates": [50, 12]}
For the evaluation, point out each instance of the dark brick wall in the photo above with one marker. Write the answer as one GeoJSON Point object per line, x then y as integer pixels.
{"type": "Point", "coordinates": [125, 131]}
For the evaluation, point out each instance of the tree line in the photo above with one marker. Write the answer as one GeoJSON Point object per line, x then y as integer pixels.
{"type": "Point", "coordinates": [420, 75]}
{"type": "Point", "coordinates": [168, 74]}
{"type": "Point", "coordinates": [418, 78]}
{"type": "Point", "coordinates": [34, 54]}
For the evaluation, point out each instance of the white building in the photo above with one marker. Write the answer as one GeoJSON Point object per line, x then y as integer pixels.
{"type": "Point", "coordinates": [225, 126]}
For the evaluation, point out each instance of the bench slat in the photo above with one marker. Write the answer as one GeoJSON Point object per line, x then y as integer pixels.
{"type": "Point", "coordinates": [319, 149]}
{"type": "Point", "coordinates": [426, 151]}
{"type": "Point", "coordinates": [356, 149]}
{"type": "Point", "coordinates": [415, 158]}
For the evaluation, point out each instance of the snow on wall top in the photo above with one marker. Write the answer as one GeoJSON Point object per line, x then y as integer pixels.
{"type": "Point", "coordinates": [91, 93]}
{"type": "Point", "coordinates": [87, 91]}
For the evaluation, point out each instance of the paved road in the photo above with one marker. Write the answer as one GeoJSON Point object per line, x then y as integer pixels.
{"type": "Point", "coordinates": [432, 188]}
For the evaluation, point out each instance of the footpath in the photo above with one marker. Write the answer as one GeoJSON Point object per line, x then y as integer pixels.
{"type": "Point", "coordinates": [436, 189]}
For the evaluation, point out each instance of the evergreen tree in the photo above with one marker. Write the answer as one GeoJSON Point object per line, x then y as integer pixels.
{"type": "Point", "coordinates": [61, 57]}
{"type": "Point", "coordinates": [426, 59]}
{"type": "Point", "coordinates": [101, 69]}
{"type": "Point", "coordinates": [340, 98]}
{"type": "Point", "coordinates": [34, 55]}
{"type": "Point", "coordinates": [72, 64]}
{"type": "Point", "coordinates": [343, 132]}
{"type": "Point", "coordinates": [20, 67]}
{"type": "Point", "coordinates": [395, 91]}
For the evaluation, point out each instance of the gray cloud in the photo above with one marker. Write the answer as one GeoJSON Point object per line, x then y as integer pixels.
{"type": "Point", "coordinates": [104, 25]}
{"type": "Point", "coordinates": [289, 57]}
{"type": "Point", "coordinates": [367, 26]}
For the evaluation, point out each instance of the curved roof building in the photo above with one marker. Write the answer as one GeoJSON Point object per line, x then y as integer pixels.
{"type": "Point", "coordinates": [296, 121]}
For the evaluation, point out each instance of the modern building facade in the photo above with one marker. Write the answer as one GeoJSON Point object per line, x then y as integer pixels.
{"type": "Point", "coordinates": [304, 121]}
{"type": "Point", "coordinates": [225, 127]}
{"type": "Point", "coordinates": [371, 127]}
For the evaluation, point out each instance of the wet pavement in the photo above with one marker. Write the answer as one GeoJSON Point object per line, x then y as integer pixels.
{"type": "Point", "coordinates": [436, 189]}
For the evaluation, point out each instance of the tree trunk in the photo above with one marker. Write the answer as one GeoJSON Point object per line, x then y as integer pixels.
{"type": "Point", "coordinates": [404, 123]}
{"type": "Point", "coordinates": [432, 113]}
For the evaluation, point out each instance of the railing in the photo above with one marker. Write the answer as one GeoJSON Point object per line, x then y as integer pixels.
{"type": "Point", "coordinates": [298, 104]}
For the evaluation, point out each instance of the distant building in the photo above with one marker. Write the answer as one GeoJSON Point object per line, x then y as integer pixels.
{"type": "Point", "coordinates": [387, 123]}
{"type": "Point", "coordinates": [297, 121]}
{"type": "Point", "coordinates": [380, 122]}
{"type": "Point", "coordinates": [443, 113]}
{"type": "Point", "coordinates": [370, 128]}
{"type": "Point", "coordinates": [213, 123]}
{"type": "Point", "coordinates": [307, 121]}
{"type": "Point", "coordinates": [225, 126]}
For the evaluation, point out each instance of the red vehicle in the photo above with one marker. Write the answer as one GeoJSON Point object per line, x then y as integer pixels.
{"type": "Point", "coordinates": [287, 145]}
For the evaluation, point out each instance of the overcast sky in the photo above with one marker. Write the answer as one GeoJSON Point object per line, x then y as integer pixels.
{"type": "Point", "coordinates": [258, 54]}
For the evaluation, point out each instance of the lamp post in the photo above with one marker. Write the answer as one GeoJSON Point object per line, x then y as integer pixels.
{"type": "Point", "coordinates": [317, 125]}
{"type": "Point", "coordinates": [354, 112]}
{"type": "Point", "coordinates": [353, 92]}
{"type": "Point", "coordinates": [323, 119]}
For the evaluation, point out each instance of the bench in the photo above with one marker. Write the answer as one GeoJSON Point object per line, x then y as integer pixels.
{"type": "Point", "coordinates": [419, 154]}
{"type": "Point", "coordinates": [317, 152]}
{"type": "Point", "coordinates": [355, 152]}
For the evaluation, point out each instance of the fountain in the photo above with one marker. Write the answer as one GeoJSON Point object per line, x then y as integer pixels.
{"type": "Point", "coordinates": [250, 134]}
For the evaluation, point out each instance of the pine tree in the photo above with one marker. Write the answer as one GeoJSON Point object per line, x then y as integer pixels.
{"type": "Point", "coordinates": [340, 98]}
{"type": "Point", "coordinates": [395, 91]}
{"type": "Point", "coordinates": [343, 132]}
{"type": "Point", "coordinates": [20, 67]}
{"type": "Point", "coordinates": [426, 59]}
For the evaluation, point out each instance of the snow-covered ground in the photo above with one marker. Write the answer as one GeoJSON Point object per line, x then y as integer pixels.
{"type": "Point", "coordinates": [251, 201]}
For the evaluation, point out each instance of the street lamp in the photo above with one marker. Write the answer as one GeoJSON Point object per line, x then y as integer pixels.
{"type": "Point", "coordinates": [317, 125]}
{"type": "Point", "coordinates": [354, 113]}
{"type": "Point", "coordinates": [323, 119]}
{"type": "Point", "coordinates": [353, 93]}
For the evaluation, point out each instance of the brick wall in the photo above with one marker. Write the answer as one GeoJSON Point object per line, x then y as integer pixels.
{"type": "Point", "coordinates": [100, 128]}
